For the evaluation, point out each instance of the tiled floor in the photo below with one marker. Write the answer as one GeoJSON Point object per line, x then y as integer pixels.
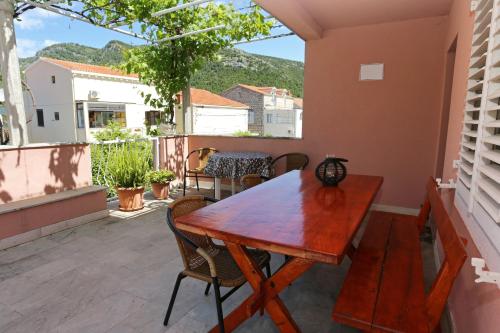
{"type": "Point", "coordinates": [116, 275]}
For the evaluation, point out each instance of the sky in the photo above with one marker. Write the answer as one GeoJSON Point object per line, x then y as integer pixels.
{"type": "Point", "coordinates": [39, 28]}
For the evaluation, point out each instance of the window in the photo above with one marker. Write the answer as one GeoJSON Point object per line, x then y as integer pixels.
{"type": "Point", "coordinates": [251, 117]}
{"type": "Point", "coordinates": [39, 118]}
{"type": "Point", "coordinates": [101, 114]}
{"type": "Point", "coordinates": [80, 116]}
{"type": "Point", "coordinates": [56, 116]}
{"type": "Point", "coordinates": [53, 79]}
{"type": "Point", "coordinates": [269, 118]}
{"type": "Point", "coordinates": [152, 117]}
{"type": "Point", "coordinates": [479, 167]}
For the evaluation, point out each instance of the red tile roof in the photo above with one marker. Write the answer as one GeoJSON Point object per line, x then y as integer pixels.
{"type": "Point", "coordinates": [76, 66]}
{"type": "Point", "coordinates": [265, 90]}
{"type": "Point", "coordinates": [205, 97]}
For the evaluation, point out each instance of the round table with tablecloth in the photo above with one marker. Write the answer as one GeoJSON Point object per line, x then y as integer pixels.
{"type": "Point", "coordinates": [234, 165]}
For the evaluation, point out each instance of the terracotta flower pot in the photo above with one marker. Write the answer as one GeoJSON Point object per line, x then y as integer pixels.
{"type": "Point", "coordinates": [160, 190]}
{"type": "Point", "coordinates": [130, 199]}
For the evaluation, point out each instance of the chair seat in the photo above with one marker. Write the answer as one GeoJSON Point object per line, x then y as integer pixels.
{"type": "Point", "coordinates": [228, 272]}
{"type": "Point", "coordinates": [198, 170]}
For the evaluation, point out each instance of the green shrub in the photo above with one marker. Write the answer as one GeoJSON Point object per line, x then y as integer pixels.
{"type": "Point", "coordinates": [113, 131]}
{"type": "Point", "coordinates": [242, 133]}
{"type": "Point", "coordinates": [160, 176]}
{"type": "Point", "coordinates": [128, 165]}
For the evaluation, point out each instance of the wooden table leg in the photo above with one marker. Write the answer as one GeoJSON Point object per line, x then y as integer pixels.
{"type": "Point", "coordinates": [265, 290]}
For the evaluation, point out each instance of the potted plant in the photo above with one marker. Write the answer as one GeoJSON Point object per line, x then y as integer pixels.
{"type": "Point", "coordinates": [127, 167]}
{"type": "Point", "coordinates": [160, 182]}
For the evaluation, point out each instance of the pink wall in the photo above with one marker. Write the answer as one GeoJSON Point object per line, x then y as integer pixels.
{"type": "Point", "coordinates": [473, 307]}
{"type": "Point", "coordinates": [173, 150]}
{"type": "Point", "coordinates": [30, 218]}
{"type": "Point", "coordinates": [33, 171]}
{"type": "Point", "coordinates": [387, 128]}
{"type": "Point", "coordinates": [460, 26]}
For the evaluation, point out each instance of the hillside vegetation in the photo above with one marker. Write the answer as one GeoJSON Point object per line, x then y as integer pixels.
{"type": "Point", "coordinates": [232, 67]}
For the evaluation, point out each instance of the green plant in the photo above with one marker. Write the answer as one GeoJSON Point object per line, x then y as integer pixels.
{"type": "Point", "coordinates": [114, 131]}
{"type": "Point", "coordinates": [242, 133]}
{"type": "Point", "coordinates": [160, 176]}
{"type": "Point", "coordinates": [168, 62]}
{"type": "Point", "coordinates": [128, 165]}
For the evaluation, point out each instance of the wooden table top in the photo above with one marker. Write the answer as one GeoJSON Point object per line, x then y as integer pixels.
{"type": "Point", "coordinates": [292, 214]}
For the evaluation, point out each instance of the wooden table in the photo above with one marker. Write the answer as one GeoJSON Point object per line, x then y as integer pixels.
{"type": "Point", "coordinates": [294, 215]}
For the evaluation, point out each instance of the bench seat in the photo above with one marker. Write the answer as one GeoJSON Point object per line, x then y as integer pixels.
{"type": "Point", "coordinates": [384, 288]}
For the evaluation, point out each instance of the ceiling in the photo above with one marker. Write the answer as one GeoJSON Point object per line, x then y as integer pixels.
{"type": "Point", "coordinates": [331, 14]}
{"type": "Point", "coordinates": [304, 16]}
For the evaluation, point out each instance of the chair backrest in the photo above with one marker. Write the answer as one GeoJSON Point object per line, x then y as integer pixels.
{"type": "Point", "coordinates": [202, 154]}
{"type": "Point", "coordinates": [453, 250]}
{"type": "Point", "coordinates": [294, 161]}
{"type": "Point", "coordinates": [183, 206]}
{"type": "Point", "coordinates": [251, 180]}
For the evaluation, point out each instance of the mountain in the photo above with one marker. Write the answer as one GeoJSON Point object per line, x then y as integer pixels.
{"type": "Point", "coordinates": [232, 67]}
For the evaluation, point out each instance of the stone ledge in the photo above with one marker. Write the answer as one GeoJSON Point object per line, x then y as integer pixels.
{"type": "Point", "coordinates": [49, 198]}
{"type": "Point", "coordinates": [50, 229]}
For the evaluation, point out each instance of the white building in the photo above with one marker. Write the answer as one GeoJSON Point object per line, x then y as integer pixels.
{"type": "Point", "coordinates": [281, 118]}
{"type": "Point", "coordinates": [70, 101]}
{"type": "Point", "coordinates": [213, 114]}
{"type": "Point", "coordinates": [272, 112]}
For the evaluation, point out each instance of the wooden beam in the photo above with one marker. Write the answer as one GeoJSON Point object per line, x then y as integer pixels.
{"type": "Point", "coordinates": [292, 14]}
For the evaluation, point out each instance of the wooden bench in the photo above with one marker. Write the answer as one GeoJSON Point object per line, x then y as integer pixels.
{"type": "Point", "coordinates": [384, 288]}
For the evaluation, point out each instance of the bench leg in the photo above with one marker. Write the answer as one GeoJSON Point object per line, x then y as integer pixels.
{"type": "Point", "coordinates": [350, 251]}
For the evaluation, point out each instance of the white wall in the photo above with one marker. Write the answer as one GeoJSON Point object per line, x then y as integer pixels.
{"type": "Point", "coordinates": [298, 122]}
{"type": "Point", "coordinates": [280, 108]}
{"type": "Point", "coordinates": [219, 121]}
{"type": "Point", "coordinates": [110, 89]}
{"type": "Point", "coordinates": [278, 102]}
{"type": "Point", "coordinates": [51, 98]}
{"type": "Point", "coordinates": [282, 125]}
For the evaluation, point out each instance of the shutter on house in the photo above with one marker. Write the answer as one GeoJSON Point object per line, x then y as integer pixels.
{"type": "Point", "coordinates": [479, 169]}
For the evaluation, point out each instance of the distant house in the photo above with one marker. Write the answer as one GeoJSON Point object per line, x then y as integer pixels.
{"type": "Point", "coordinates": [272, 111]}
{"type": "Point", "coordinates": [213, 114]}
{"type": "Point", "coordinates": [71, 101]}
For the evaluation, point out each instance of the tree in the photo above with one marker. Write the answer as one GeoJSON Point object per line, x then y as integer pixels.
{"type": "Point", "coordinates": [169, 61]}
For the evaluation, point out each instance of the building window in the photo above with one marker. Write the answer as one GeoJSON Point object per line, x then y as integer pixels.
{"type": "Point", "coordinates": [269, 118]}
{"type": "Point", "coordinates": [251, 117]}
{"type": "Point", "coordinates": [53, 79]}
{"type": "Point", "coordinates": [56, 115]}
{"type": "Point", "coordinates": [39, 118]}
{"type": "Point", "coordinates": [152, 118]}
{"type": "Point", "coordinates": [101, 114]}
{"type": "Point", "coordinates": [80, 117]}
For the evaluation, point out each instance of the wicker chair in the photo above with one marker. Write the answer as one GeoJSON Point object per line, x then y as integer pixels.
{"type": "Point", "coordinates": [198, 172]}
{"type": "Point", "coordinates": [206, 261]}
{"type": "Point", "coordinates": [294, 161]}
{"type": "Point", "coordinates": [251, 180]}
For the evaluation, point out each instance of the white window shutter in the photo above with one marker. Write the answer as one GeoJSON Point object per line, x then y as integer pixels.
{"type": "Point", "coordinates": [479, 170]}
